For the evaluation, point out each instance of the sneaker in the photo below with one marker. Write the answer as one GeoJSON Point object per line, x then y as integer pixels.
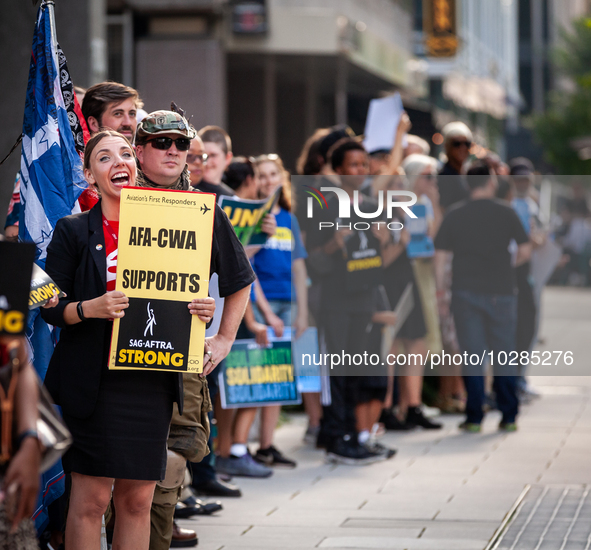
{"type": "Point", "coordinates": [415, 417]}
{"type": "Point", "coordinates": [470, 427]}
{"type": "Point", "coordinates": [273, 457]}
{"type": "Point", "coordinates": [391, 422]}
{"type": "Point", "coordinates": [344, 451]}
{"type": "Point", "coordinates": [311, 435]}
{"type": "Point", "coordinates": [245, 466]}
{"type": "Point", "coordinates": [508, 426]}
{"type": "Point", "coordinates": [378, 448]}
{"type": "Point", "coordinates": [429, 412]}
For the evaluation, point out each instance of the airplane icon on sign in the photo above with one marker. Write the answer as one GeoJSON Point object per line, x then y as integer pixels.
{"type": "Point", "coordinates": [204, 209]}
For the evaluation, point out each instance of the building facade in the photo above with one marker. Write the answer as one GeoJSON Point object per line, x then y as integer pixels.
{"type": "Point", "coordinates": [474, 76]}
{"type": "Point", "coordinates": [271, 71]}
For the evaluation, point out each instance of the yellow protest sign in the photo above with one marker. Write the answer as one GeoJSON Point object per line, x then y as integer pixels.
{"type": "Point", "coordinates": [164, 251]}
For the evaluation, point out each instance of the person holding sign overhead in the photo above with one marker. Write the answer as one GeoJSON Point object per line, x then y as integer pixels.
{"type": "Point", "coordinates": [119, 419]}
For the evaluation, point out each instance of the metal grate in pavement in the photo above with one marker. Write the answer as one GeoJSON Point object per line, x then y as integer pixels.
{"type": "Point", "coordinates": [550, 517]}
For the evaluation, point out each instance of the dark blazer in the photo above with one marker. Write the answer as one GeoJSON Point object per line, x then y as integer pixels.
{"type": "Point", "coordinates": [76, 261]}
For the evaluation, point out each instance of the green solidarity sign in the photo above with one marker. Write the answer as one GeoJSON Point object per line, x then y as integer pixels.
{"type": "Point", "coordinates": [253, 376]}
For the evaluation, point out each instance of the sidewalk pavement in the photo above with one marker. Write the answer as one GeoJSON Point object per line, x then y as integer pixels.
{"type": "Point", "coordinates": [444, 490]}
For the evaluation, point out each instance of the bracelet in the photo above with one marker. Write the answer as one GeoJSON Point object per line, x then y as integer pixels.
{"type": "Point", "coordinates": [24, 435]}
{"type": "Point", "coordinates": [80, 311]}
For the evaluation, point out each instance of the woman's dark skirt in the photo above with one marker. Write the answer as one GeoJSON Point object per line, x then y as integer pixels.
{"type": "Point", "coordinates": [125, 437]}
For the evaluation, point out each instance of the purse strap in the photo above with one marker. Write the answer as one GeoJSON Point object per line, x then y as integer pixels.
{"type": "Point", "coordinates": [7, 403]}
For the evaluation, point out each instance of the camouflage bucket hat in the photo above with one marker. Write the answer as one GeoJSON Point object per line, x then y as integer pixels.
{"type": "Point", "coordinates": [164, 122]}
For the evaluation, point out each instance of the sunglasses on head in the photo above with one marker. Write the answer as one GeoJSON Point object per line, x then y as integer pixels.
{"type": "Point", "coordinates": [192, 158]}
{"type": "Point", "coordinates": [165, 143]}
{"type": "Point", "coordinates": [460, 143]}
{"type": "Point", "coordinates": [264, 158]}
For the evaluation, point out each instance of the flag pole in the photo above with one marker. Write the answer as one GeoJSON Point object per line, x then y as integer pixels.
{"type": "Point", "coordinates": [50, 4]}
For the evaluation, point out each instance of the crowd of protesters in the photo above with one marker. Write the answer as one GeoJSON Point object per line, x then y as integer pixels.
{"type": "Point", "coordinates": [475, 223]}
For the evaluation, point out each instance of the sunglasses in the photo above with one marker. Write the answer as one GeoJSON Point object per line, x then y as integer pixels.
{"type": "Point", "coordinates": [192, 158]}
{"type": "Point", "coordinates": [458, 144]}
{"type": "Point", "coordinates": [264, 158]}
{"type": "Point", "coordinates": [165, 143]}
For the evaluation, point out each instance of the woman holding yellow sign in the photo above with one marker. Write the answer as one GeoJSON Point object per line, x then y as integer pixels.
{"type": "Point", "coordinates": [119, 419]}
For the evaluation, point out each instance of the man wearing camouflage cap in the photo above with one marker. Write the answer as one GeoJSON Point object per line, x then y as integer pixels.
{"type": "Point", "coordinates": [162, 129]}
{"type": "Point", "coordinates": [162, 141]}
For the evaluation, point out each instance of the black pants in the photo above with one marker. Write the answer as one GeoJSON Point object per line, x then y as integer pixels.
{"type": "Point", "coordinates": [343, 332]}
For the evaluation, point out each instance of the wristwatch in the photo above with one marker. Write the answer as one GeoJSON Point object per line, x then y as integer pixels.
{"type": "Point", "coordinates": [80, 311]}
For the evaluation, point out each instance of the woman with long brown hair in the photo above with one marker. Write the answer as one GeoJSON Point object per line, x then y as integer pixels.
{"type": "Point", "coordinates": [281, 260]}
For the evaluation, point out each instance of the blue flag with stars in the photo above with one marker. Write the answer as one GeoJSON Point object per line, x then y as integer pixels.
{"type": "Point", "coordinates": [52, 177]}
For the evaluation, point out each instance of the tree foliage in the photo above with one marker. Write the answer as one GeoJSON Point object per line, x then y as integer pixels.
{"type": "Point", "coordinates": [568, 115]}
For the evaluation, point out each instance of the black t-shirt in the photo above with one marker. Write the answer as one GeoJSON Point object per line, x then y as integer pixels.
{"type": "Point", "coordinates": [216, 189]}
{"type": "Point", "coordinates": [452, 188]}
{"type": "Point", "coordinates": [479, 232]}
{"type": "Point", "coordinates": [352, 274]}
{"type": "Point", "coordinates": [228, 258]}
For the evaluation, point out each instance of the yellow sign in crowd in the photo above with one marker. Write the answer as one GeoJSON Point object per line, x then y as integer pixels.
{"type": "Point", "coordinates": [163, 263]}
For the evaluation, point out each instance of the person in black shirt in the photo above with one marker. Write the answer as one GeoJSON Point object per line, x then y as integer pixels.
{"type": "Point", "coordinates": [457, 142]}
{"type": "Point", "coordinates": [162, 158]}
{"type": "Point", "coordinates": [484, 304]}
{"type": "Point", "coordinates": [351, 270]}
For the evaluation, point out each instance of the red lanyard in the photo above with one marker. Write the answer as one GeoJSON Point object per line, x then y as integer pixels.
{"type": "Point", "coordinates": [110, 230]}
